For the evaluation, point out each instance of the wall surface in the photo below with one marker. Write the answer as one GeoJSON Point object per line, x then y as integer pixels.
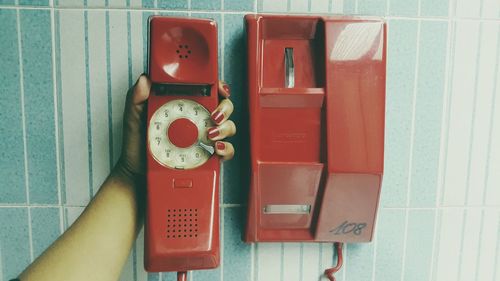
{"type": "Point", "coordinates": [65, 66]}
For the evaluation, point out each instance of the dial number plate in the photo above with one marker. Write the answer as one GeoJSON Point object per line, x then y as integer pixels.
{"type": "Point", "coordinates": [164, 151]}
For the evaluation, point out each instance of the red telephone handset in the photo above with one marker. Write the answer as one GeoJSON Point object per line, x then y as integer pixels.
{"type": "Point", "coordinates": [182, 215]}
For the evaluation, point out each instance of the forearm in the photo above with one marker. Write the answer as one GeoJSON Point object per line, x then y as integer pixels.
{"type": "Point", "coordinates": [97, 245]}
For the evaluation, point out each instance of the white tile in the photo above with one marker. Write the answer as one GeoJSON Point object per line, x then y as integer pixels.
{"type": "Point", "coordinates": [136, 3]}
{"type": "Point", "coordinates": [338, 6]}
{"type": "Point", "coordinates": [274, 6]}
{"type": "Point", "coordinates": [489, 245]}
{"type": "Point", "coordinates": [310, 264]}
{"type": "Point", "coordinates": [72, 213]}
{"type": "Point", "coordinates": [291, 262]}
{"type": "Point", "coordinates": [98, 84]}
{"type": "Point", "coordinates": [482, 113]}
{"type": "Point", "coordinates": [326, 259]}
{"type": "Point", "coordinates": [299, 5]}
{"type": "Point", "coordinates": [467, 8]}
{"type": "Point", "coordinates": [269, 261]}
{"type": "Point", "coordinates": [462, 90]}
{"type": "Point", "coordinates": [493, 184]}
{"type": "Point", "coordinates": [491, 9]}
{"type": "Point", "coordinates": [136, 44]}
{"type": "Point", "coordinates": [70, 3]}
{"type": "Point", "coordinates": [96, 3]}
{"type": "Point", "coordinates": [119, 74]}
{"type": "Point", "coordinates": [449, 245]}
{"type": "Point", "coordinates": [117, 3]}
{"type": "Point", "coordinates": [319, 6]}
{"type": "Point", "coordinates": [470, 244]}
{"type": "Point", "coordinates": [74, 107]}
{"type": "Point", "coordinates": [142, 275]}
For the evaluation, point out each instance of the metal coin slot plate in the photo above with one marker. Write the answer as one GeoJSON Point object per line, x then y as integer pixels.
{"type": "Point", "coordinates": [287, 209]}
{"type": "Point", "coordinates": [162, 149]}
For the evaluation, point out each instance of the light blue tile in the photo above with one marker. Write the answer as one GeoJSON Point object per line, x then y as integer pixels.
{"type": "Point", "coordinates": [169, 276]}
{"type": "Point", "coordinates": [148, 3]}
{"type": "Point", "coordinates": [390, 240]}
{"type": "Point", "coordinates": [419, 244]}
{"type": "Point", "coordinates": [45, 227]}
{"type": "Point", "coordinates": [372, 7]}
{"type": "Point", "coordinates": [349, 7]}
{"type": "Point", "coordinates": [403, 7]}
{"type": "Point", "coordinates": [239, 5]}
{"type": "Point", "coordinates": [13, 188]}
{"type": "Point", "coordinates": [170, 4]}
{"type": "Point", "coordinates": [153, 277]}
{"type": "Point", "coordinates": [173, 13]}
{"type": "Point", "coordinates": [208, 274]}
{"type": "Point", "coordinates": [434, 8]}
{"type": "Point", "coordinates": [399, 105]}
{"type": "Point", "coordinates": [237, 254]}
{"type": "Point", "coordinates": [205, 5]}
{"type": "Point", "coordinates": [360, 261]}
{"type": "Point", "coordinates": [34, 2]}
{"type": "Point", "coordinates": [7, 2]}
{"type": "Point", "coordinates": [236, 171]}
{"type": "Point", "coordinates": [428, 111]}
{"type": "Point", "coordinates": [14, 241]}
{"type": "Point", "coordinates": [39, 105]}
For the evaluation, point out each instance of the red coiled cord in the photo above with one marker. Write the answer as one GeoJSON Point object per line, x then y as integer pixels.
{"type": "Point", "coordinates": [329, 272]}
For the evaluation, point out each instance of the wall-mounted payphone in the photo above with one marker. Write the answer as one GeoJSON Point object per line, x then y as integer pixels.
{"type": "Point", "coordinates": [317, 110]}
{"type": "Point", "coordinates": [182, 217]}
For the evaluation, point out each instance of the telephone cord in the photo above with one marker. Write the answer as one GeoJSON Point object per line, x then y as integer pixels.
{"type": "Point", "coordinates": [329, 272]}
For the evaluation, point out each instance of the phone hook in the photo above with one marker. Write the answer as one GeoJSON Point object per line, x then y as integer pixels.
{"type": "Point", "coordinates": [329, 272]}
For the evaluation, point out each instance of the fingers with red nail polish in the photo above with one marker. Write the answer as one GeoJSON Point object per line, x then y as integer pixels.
{"type": "Point", "coordinates": [224, 90]}
{"type": "Point", "coordinates": [224, 149]}
{"type": "Point", "coordinates": [224, 130]}
{"type": "Point", "coordinates": [222, 112]}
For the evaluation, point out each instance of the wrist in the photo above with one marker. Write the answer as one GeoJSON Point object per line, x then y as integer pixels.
{"type": "Point", "coordinates": [123, 171]}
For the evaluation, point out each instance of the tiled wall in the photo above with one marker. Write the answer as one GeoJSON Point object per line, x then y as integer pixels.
{"type": "Point", "coordinates": [65, 66]}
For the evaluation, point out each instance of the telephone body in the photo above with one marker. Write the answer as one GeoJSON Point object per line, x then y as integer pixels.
{"type": "Point", "coordinates": [182, 215]}
{"type": "Point", "coordinates": [317, 111]}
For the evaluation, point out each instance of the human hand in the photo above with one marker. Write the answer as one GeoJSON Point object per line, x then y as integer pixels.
{"type": "Point", "coordinates": [132, 161]}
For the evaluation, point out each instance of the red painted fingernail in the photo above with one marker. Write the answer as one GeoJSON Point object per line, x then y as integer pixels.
{"type": "Point", "coordinates": [226, 88]}
{"type": "Point", "coordinates": [213, 132]}
{"type": "Point", "coordinates": [217, 117]}
{"type": "Point", "coordinates": [220, 145]}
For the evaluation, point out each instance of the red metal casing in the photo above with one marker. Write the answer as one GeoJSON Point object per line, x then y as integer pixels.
{"type": "Point", "coordinates": [319, 143]}
{"type": "Point", "coordinates": [182, 215]}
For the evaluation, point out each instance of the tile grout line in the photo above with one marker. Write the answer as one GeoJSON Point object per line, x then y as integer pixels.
{"type": "Point", "coordinates": [465, 214]}
{"type": "Point", "coordinates": [443, 143]}
{"type": "Point", "coordinates": [445, 133]}
{"type": "Point", "coordinates": [412, 143]}
{"type": "Point", "coordinates": [88, 105]}
{"type": "Point", "coordinates": [23, 117]}
{"type": "Point", "coordinates": [56, 115]}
